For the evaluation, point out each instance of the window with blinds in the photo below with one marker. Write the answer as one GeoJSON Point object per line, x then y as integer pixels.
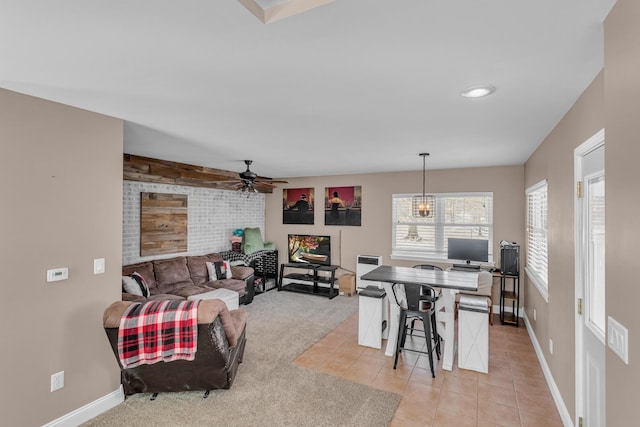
{"type": "Point", "coordinates": [459, 215]}
{"type": "Point", "coordinates": [536, 261]}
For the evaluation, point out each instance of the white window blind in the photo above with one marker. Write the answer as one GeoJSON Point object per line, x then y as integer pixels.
{"type": "Point", "coordinates": [536, 261]}
{"type": "Point", "coordinates": [458, 215]}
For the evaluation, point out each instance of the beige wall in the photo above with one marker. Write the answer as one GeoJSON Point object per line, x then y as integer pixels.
{"type": "Point", "coordinates": [611, 101]}
{"type": "Point", "coordinates": [374, 236]}
{"type": "Point", "coordinates": [61, 186]}
{"type": "Point", "coordinates": [622, 102]}
{"type": "Point", "coordinates": [553, 161]}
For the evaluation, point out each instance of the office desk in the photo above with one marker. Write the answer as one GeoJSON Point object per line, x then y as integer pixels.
{"type": "Point", "coordinates": [449, 281]}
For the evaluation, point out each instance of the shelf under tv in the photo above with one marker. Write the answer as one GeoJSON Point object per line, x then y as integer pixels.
{"type": "Point", "coordinates": [307, 283]}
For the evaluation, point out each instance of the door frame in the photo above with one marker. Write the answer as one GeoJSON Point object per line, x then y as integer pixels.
{"type": "Point", "coordinates": [591, 144]}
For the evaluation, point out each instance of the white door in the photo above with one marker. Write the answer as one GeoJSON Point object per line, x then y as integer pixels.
{"type": "Point", "coordinates": [590, 283]}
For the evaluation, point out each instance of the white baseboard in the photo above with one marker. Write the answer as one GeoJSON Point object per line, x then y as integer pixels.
{"type": "Point", "coordinates": [89, 411]}
{"type": "Point", "coordinates": [555, 392]}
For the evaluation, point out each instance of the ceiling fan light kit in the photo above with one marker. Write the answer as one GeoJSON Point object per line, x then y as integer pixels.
{"type": "Point", "coordinates": [273, 10]}
{"type": "Point", "coordinates": [249, 181]}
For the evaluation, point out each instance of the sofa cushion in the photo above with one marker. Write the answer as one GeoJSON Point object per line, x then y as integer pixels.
{"type": "Point", "coordinates": [145, 269]}
{"type": "Point", "coordinates": [138, 298]}
{"type": "Point", "coordinates": [132, 297]}
{"type": "Point", "coordinates": [214, 257]}
{"type": "Point", "coordinates": [198, 269]}
{"type": "Point", "coordinates": [164, 296]}
{"type": "Point", "coordinates": [241, 272]}
{"type": "Point", "coordinates": [171, 271]}
{"type": "Point", "coordinates": [172, 288]}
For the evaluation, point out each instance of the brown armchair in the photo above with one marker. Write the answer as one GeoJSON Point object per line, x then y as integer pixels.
{"type": "Point", "coordinates": [221, 342]}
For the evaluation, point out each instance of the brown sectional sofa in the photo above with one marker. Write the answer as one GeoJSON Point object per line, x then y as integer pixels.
{"type": "Point", "coordinates": [181, 277]}
{"type": "Point", "coordinates": [221, 343]}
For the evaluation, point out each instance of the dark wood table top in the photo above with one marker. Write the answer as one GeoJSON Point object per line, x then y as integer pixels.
{"type": "Point", "coordinates": [460, 280]}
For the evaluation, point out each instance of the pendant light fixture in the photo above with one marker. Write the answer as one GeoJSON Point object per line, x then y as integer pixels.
{"type": "Point", "coordinates": [423, 206]}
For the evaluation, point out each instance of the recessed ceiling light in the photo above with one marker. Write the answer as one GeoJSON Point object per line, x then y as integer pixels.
{"type": "Point", "coordinates": [478, 91]}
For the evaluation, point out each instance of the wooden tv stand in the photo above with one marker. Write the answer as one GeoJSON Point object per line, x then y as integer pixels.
{"type": "Point", "coordinates": [310, 281]}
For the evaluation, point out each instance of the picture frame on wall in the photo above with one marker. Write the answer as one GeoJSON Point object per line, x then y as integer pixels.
{"type": "Point", "coordinates": [298, 205]}
{"type": "Point", "coordinates": [343, 206]}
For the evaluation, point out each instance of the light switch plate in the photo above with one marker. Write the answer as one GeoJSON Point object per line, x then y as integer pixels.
{"type": "Point", "coordinates": [98, 266]}
{"type": "Point", "coordinates": [618, 339]}
{"type": "Point", "coordinates": [57, 274]}
{"type": "Point", "coordinates": [57, 381]}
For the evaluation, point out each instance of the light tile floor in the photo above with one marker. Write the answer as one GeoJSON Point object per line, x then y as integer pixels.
{"type": "Point", "coordinates": [513, 393]}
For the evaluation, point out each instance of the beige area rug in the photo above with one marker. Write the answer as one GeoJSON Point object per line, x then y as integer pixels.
{"type": "Point", "coordinates": [269, 390]}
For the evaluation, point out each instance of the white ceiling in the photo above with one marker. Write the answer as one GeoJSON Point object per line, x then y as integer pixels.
{"type": "Point", "coordinates": [354, 86]}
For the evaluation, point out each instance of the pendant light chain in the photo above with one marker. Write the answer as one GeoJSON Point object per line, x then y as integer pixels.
{"type": "Point", "coordinates": [424, 163]}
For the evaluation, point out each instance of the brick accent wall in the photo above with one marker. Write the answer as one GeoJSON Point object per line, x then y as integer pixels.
{"type": "Point", "coordinates": [213, 215]}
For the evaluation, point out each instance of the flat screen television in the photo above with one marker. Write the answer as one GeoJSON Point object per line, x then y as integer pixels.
{"type": "Point", "coordinates": [468, 250]}
{"type": "Point", "coordinates": [310, 248]}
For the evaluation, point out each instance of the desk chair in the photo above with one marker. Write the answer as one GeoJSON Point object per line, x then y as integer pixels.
{"type": "Point", "coordinates": [415, 307]}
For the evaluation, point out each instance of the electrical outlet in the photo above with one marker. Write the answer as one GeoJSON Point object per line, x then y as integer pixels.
{"type": "Point", "coordinates": [534, 314]}
{"type": "Point", "coordinates": [57, 381]}
{"type": "Point", "coordinates": [550, 346]}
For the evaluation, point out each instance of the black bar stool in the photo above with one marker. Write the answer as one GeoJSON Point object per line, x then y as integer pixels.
{"type": "Point", "coordinates": [416, 307]}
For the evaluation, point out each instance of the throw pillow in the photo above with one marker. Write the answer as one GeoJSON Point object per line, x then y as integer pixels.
{"type": "Point", "coordinates": [227, 266]}
{"type": "Point", "coordinates": [144, 288]}
{"type": "Point", "coordinates": [219, 270]}
{"type": "Point", "coordinates": [130, 286]}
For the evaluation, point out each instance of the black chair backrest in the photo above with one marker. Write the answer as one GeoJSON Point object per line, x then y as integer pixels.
{"type": "Point", "coordinates": [428, 292]}
{"type": "Point", "coordinates": [414, 296]}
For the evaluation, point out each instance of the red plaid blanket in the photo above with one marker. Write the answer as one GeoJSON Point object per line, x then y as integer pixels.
{"type": "Point", "coordinates": [158, 331]}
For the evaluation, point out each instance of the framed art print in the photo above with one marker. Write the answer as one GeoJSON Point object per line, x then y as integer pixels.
{"type": "Point", "coordinates": [297, 205]}
{"type": "Point", "coordinates": [343, 205]}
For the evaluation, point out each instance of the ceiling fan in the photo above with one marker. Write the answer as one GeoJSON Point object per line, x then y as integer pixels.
{"type": "Point", "coordinates": [250, 181]}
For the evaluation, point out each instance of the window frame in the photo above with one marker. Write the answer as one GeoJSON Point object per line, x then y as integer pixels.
{"type": "Point", "coordinates": [439, 224]}
{"type": "Point", "coordinates": [539, 278]}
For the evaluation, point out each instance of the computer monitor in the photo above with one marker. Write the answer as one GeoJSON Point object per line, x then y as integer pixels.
{"type": "Point", "coordinates": [468, 250]}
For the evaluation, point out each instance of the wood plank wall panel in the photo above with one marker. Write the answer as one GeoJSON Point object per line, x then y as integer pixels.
{"type": "Point", "coordinates": [146, 169]}
{"type": "Point", "coordinates": [163, 223]}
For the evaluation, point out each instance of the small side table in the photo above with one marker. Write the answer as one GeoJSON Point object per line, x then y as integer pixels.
{"type": "Point", "coordinates": [512, 294]}
{"type": "Point", "coordinates": [265, 266]}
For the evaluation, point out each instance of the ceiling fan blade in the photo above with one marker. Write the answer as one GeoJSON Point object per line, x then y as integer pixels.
{"type": "Point", "coordinates": [263, 184]}
{"type": "Point", "coordinates": [270, 181]}
{"type": "Point", "coordinates": [239, 181]}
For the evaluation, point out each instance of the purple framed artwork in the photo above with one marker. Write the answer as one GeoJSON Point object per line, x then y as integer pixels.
{"type": "Point", "coordinates": [343, 205]}
{"type": "Point", "coordinates": [297, 205]}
